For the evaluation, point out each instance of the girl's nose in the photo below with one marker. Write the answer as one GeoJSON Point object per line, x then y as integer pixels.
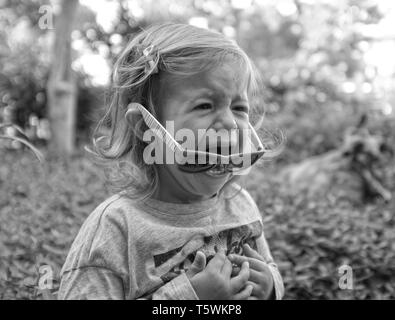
{"type": "Point", "coordinates": [225, 127]}
{"type": "Point", "coordinates": [225, 120]}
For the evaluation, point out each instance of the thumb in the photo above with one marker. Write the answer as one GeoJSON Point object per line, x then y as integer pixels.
{"type": "Point", "coordinates": [198, 264]}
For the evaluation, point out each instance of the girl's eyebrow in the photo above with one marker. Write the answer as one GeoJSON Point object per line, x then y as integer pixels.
{"type": "Point", "coordinates": [209, 93]}
{"type": "Point", "coordinates": [200, 93]}
{"type": "Point", "coordinates": [205, 92]}
{"type": "Point", "coordinates": [240, 98]}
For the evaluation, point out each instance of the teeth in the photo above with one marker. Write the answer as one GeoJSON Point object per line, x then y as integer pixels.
{"type": "Point", "coordinates": [217, 170]}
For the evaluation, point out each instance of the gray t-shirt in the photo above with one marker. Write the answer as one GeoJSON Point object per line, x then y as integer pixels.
{"type": "Point", "coordinates": [139, 249]}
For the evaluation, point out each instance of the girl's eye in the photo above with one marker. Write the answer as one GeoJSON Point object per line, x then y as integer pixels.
{"type": "Point", "coordinates": [241, 108]}
{"type": "Point", "coordinates": [203, 106]}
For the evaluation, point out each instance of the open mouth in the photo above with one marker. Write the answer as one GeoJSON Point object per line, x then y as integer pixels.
{"type": "Point", "coordinates": [217, 163]}
{"type": "Point", "coordinates": [217, 171]}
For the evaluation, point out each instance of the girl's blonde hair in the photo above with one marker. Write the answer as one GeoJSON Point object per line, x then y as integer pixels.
{"type": "Point", "coordinates": [179, 49]}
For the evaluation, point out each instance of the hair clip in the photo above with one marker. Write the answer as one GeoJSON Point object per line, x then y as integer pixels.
{"type": "Point", "coordinates": [150, 66]}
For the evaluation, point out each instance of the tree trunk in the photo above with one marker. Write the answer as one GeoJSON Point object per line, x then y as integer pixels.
{"type": "Point", "coordinates": [61, 86]}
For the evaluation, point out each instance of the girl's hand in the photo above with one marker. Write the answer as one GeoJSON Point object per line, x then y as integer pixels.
{"type": "Point", "coordinates": [214, 281]}
{"type": "Point", "coordinates": [260, 275]}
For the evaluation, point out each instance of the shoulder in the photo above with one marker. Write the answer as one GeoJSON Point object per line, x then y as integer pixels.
{"type": "Point", "coordinates": [114, 212]}
{"type": "Point", "coordinates": [110, 212]}
{"type": "Point", "coordinates": [237, 192]}
{"type": "Point", "coordinates": [240, 197]}
{"type": "Point", "coordinates": [102, 238]}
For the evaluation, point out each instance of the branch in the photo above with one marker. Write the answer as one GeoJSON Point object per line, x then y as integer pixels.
{"type": "Point", "coordinates": [36, 152]}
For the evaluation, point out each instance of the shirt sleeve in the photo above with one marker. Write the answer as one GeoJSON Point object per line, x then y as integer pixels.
{"type": "Point", "coordinates": [263, 249]}
{"type": "Point", "coordinates": [180, 288]}
{"type": "Point", "coordinates": [91, 283]}
{"type": "Point", "coordinates": [97, 265]}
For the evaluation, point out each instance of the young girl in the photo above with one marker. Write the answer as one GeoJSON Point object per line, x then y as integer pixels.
{"type": "Point", "coordinates": [175, 230]}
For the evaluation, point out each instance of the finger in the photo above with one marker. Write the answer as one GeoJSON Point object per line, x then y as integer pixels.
{"type": "Point", "coordinates": [259, 276]}
{"type": "Point", "coordinates": [241, 279]}
{"type": "Point", "coordinates": [217, 261]}
{"type": "Point", "coordinates": [200, 260]}
{"type": "Point", "coordinates": [237, 259]}
{"type": "Point", "coordinates": [198, 265]}
{"type": "Point", "coordinates": [249, 252]}
{"type": "Point", "coordinates": [244, 294]}
{"type": "Point", "coordinates": [227, 268]}
{"type": "Point", "coordinates": [255, 264]}
{"type": "Point", "coordinates": [255, 288]}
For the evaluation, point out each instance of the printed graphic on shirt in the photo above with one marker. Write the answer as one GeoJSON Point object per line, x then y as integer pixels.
{"type": "Point", "coordinates": [169, 265]}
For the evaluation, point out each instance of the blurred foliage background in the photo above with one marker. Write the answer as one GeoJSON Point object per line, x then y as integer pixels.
{"type": "Point", "coordinates": [324, 64]}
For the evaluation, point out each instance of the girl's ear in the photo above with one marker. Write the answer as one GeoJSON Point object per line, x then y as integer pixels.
{"type": "Point", "coordinates": [135, 120]}
{"type": "Point", "coordinates": [132, 114]}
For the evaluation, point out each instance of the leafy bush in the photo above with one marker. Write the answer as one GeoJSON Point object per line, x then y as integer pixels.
{"type": "Point", "coordinates": [312, 240]}
{"type": "Point", "coordinates": [42, 209]}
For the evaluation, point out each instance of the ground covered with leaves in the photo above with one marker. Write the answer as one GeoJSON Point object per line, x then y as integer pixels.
{"type": "Point", "coordinates": [42, 207]}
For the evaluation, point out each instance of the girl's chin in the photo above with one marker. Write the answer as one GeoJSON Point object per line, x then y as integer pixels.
{"type": "Point", "coordinates": [208, 183]}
